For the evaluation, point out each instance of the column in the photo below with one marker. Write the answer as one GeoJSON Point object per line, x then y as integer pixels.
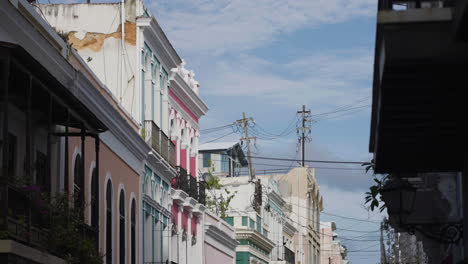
{"type": "Point", "coordinates": [189, 239]}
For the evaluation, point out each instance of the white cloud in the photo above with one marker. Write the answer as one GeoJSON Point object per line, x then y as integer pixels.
{"type": "Point", "coordinates": [323, 80]}
{"type": "Point", "coordinates": [238, 25]}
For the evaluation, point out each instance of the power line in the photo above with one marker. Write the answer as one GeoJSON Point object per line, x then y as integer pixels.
{"type": "Point", "coordinates": [315, 161]}
{"type": "Point", "coordinates": [223, 136]}
{"type": "Point", "coordinates": [351, 218]}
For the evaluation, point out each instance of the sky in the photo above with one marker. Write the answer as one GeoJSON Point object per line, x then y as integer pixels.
{"type": "Point", "coordinates": [267, 58]}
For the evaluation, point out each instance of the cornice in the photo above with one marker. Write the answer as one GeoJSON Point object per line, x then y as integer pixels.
{"type": "Point", "coordinates": [185, 116]}
{"type": "Point", "coordinates": [156, 205]}
{"type": "Point", "coordinates": [276, 198]}
{"type": "Point", "coordinates": [289, 228]}
{"type": "Point", "coordinates": [252, 235]}
{"type": "Point", "coordinates": [161, 165]}
{"type": "Point", "coordinates": [187, 95]}
{"type": "Point", "coordinates": [164, 49]}
{"type": "Point", "coordinates": [220, 236]}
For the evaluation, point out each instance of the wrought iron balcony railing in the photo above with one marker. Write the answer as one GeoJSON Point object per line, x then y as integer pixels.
{"type": "Point", "coordinates": [29, 225]}
{"type": "Point", "coordinates": [193, 187]}
{"type": "Point", "coordinates": [190, 185]}
{"type": "Point", "coordinates": [159, 141]}
{"type": "Point", "coordinates": [201, 192]}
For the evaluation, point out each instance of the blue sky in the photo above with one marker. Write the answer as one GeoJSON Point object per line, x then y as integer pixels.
{"type": "Point", "coordinates": [269, 57]}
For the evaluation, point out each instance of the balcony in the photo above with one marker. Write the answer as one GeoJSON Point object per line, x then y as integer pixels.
{"type": "Point", "coordinates": [417, 97]}
{"type": "Point", "coordinates": [189, 185]}
{"type": "Point", "coordinates": [27, 224]}
{"type": "Point", "coordinates": [159, 142]}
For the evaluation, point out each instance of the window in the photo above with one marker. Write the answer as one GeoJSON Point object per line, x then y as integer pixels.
{"type": "Point", "coordinates": [245, 220]}
{"type": "Point", "coordinates": [224, 163]}
{"type": "Point", "coordinates": [12, 144]}
{"type": "Point", "coordinates": [122, 227]}
{"type": "Point", "coordinates": [108, 223]}
{"type": "Point", "coordinates": [259, 224]}
{"type": "Point", "coordinates": [252, 224]}
{"type": "Point", "coordinates": [78, 184]}
{"type": "Point", "coordinates": [229, 220]}
{"type": "Point", "coordinates": [133, 232]}
{"type": "Point", "coordinates": [94, 199]}
{"type": "Point", "coordinates": [206, 160]}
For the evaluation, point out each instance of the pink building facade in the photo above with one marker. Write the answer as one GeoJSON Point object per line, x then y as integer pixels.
{"type": "Point", "coordinates": [220, 243]}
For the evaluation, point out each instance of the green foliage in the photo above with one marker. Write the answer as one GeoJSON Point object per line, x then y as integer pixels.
{"type": "Point", "coordinates": [67, 233]}
{"type": "Point", "coordinates": [373, 198]}
{"type": "Point", "coordinates": [217, 202]}
{"type": "Point", "coordinates": [143, 133]}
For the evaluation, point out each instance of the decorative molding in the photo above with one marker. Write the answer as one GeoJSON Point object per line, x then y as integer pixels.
{"type": "Point", "coordinates": [178, 196]}
{"type": "Point", "coordinates": [183, 91]}
{"type": "Point", "coordinates": [182, 115]}
{"type": "Point", "coordinates": [220, 236]}
{"type": "Point", "coordinates": [199, 209]}
{"type": "Point", "coordinates": [157, 206]}
{"type": "Point", "coordinates": [189, 203]}
{"type": "Point", "coordinates": [254, 236]}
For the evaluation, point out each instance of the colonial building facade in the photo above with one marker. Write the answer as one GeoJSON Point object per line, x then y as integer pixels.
{"type": "Point", "coordinates": [149, 84]}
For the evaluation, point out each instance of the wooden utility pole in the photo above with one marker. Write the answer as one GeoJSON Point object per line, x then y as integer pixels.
{"type": "Point", "coordinates": [244, 123]}
{"type": "Point", "coordinates": [305, 117]}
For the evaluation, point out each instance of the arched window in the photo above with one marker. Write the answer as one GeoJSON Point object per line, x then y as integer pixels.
{"type": "Point", "coordinates": [133, 232]}
{"type": "Point", "coordinates": [94, 199]}
{"type": "Point", "coordinates": [78, 184]}
{"type": "Point", "coordinates": [122, 227]}
{"type": "Point", "coordinates": [109, 223]}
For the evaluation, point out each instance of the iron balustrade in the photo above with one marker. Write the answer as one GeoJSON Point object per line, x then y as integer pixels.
{"type": "Point", "coordinates": [409, 4]}
{"type": "Point", "coordinates": [185, 182]}
{"type": "Point", "coordinates": [165, 146]}
{"type": "Point", "coordinates": [152, 135]}
{"type": "Point", "coordinates": [193, 187]}
{"type": "Point", "coordinates": [159, 142]}
{"type": "Point", "coordinates": [172, 154]}
{"type": "Point", "coordinates": [202, 192]}
{"type": "Point", "coordinates": [26, 224]}
{"type": "Point", "coordinates": [182, 182]}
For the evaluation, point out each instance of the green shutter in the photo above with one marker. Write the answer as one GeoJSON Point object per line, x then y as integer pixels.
{"type": "Point", "coordinates": [252, 224]}
{"type": "Point", "coordinates": [245, 221]}
{"type": "Point", "coordinates": [259, 224]}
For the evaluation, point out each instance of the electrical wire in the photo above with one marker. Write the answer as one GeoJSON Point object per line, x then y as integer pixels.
{"type": "Point", "coordinates": [314, 161]}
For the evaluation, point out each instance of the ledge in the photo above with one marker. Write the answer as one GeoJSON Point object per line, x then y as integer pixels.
{"type": "Point", "coordinates": [221, 237]}
{"type": "Point", "coordinates": [189, 203]}
{"type": "Point", "coordinates": [199, 209]}
{"type": "Point", "coordinates": [37, 256]}
{"type": "Point", "coordinates": [252, 235]}
{"type": "Point", "coordinates": [417, 15]}
{"type": "Point", "coordinates": [178, 196]}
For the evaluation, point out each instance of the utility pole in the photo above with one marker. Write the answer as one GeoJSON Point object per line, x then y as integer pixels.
{"type": "Point", "coordinates": [244, 123]}
{"type": "Point", "coordinates": [305, 115]}
{"type": "Point", "coordinates": [383, 257]}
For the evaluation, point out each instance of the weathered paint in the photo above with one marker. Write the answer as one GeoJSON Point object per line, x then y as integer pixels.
{"type": "Point", "coordinates": [95, 41]}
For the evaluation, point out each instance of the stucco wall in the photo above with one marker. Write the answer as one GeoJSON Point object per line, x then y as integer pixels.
{"type": "Point", "coordinates": [215, 256]}
{"type": "Point", "coordinates": [121, 175]}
